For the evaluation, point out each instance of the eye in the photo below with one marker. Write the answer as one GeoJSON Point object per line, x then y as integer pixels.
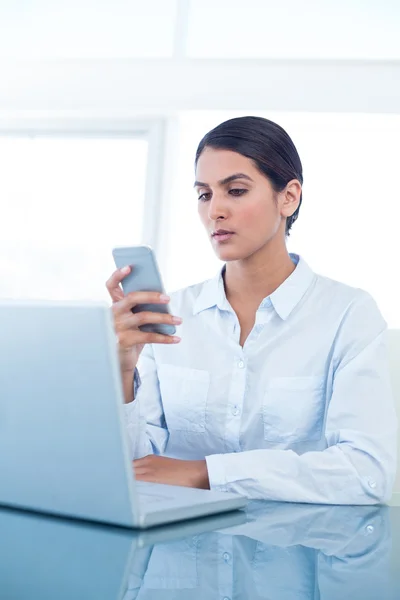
{"type": "Point", "coordinates": [204, 197]}
{"type": "Point", "coordinates": [238, 191]}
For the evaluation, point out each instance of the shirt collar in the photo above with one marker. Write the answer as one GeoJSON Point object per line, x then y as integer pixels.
{"type": "Point", "coordinates": [284, 299]}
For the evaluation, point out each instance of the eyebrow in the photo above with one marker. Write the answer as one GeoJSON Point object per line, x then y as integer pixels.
{"type": "Point", "coordinates": [225, 181]}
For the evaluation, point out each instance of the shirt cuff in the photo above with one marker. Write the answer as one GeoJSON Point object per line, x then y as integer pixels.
{"type": "Point", "coordinates": [132, 411]}
{"type": "Point", "coordinates": [136, 428]}
{"type": "Point", "coordinates": [216, 472]}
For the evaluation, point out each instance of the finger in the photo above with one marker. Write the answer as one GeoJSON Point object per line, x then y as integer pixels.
{"type": "Point", "coordinates": [138, 470]}
{"type": "Point", "coordinates": [142, 471]}
{"type": "Point", "coordinates": [113, 283]}
{"type": "Point", "coordinates": [135, 298]}
{"type": "Point", "coordinates": [149, 459]}
{"type": "Point", "coordinates": [146, 477]}
{"type": "Point", "coordinates": [141, 468]}
{"type": "Point", "coordinates": [132, 321]}
{"type": "Point", "coordinates": [130, 338]}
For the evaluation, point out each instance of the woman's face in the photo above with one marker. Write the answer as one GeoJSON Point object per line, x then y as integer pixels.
{"type": "Point", "coordinates": [235, 197]}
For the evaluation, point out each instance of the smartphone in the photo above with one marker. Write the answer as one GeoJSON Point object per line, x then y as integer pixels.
{"type": "Point", "coordinates": [144, 277]}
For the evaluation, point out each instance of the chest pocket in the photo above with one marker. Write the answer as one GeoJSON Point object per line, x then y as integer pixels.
{"type": "Point", "coordinates": [184, 394]}
{"type": "Point", "coordinates": [293, 409]}
{"type": "Point", "coordinates": [173, 566]}
{"type": "Point", "coordinates": [286, 573]}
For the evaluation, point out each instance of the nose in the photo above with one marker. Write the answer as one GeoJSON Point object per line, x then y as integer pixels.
{"type": "Point", "coordinates": [217, 207]}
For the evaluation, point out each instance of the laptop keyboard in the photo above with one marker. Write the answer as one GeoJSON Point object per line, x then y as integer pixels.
{"type": "Point", "coordinates": [152, 499]}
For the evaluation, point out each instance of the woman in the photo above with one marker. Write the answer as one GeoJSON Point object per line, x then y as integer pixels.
{"type": "Point", "coordinates": [279, 387]}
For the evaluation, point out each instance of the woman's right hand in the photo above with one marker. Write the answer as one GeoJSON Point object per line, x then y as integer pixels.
{"type": "Point", "coordinates": [131, 339]}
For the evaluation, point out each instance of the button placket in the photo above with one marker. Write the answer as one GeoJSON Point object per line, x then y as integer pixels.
{"type": "Point", "coordinates": [225, 571]}
{"type": "Point", "coordinates": [235, 401]}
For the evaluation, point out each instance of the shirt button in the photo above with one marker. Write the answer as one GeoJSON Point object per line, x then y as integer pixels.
{"type": "Point", "coordinates": [372, 483]}
{"type": "Point", "coordinates": [226, 598]}
{"type": "Point", "coordinates": [227, 556]}
{"type": "Point", "coordinates": [235, 411]}
{"type": "Point", "coordinates": [369, 529]}
{"type": "Point", "coordinates": [240, 364]}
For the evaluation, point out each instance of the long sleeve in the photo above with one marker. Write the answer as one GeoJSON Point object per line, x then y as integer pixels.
{"type": "Point", "coordinates": [144, 416]}
{"type": "Point", "coordinates": [358, 465]}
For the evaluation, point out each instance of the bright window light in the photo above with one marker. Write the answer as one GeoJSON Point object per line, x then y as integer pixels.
{"type": "Point", "coordinates": [289, 29]}
{"type": "Point", "coordinates": [65, 202]}
{"type": "Point", "coordinates": [87, 29]}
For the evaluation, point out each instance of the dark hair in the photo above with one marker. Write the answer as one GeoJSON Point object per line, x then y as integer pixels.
{"type": "Point", "coordinates": [266, 144]}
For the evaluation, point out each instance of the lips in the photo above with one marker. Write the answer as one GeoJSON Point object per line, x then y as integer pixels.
{"type": "Point", "coordinates": [221, 232]}
{"type": "Point", "coordinates": [222, 235]}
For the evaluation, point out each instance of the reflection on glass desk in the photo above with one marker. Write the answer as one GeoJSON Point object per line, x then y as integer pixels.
{"type": "Point", "coordinates": [269, 551]}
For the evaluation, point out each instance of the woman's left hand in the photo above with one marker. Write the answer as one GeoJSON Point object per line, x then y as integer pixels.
{"type": "Point", "coordinates": [160, 469]}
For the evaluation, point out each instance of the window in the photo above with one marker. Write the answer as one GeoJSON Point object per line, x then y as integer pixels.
{"type": "Point", "coordinates": [289, 29]}
{"type": "Point", "coordinates": [65, 202]}
{"type": "Point", "coordinates": [347, 228]}
{"type": "Point", "coordinates": [89, 29]}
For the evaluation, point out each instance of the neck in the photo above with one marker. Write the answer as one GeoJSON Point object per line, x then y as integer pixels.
{"type": "Point", "coordinates": [256, 277]}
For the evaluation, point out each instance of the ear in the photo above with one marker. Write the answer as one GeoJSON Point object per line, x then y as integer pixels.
{"type": "Point", "coordinates": [290, 198]}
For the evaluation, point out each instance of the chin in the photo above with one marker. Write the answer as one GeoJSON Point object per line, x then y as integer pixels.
{"type": "Point", "coordinates": [228, 254]}
{"type": "Point", "coordinates": [232, 251]}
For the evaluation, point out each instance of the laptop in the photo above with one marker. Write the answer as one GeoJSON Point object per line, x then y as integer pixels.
{"type": "Point", "coordinates": [63, 440]}
{"type": "Point", "coordinates": [45, 557]}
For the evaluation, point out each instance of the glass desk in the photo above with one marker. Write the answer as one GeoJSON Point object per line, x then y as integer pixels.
{"type": "Point", "coordinates": [270, 551]}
